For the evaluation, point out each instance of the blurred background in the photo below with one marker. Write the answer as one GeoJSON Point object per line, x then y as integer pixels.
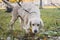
{"type": "Point", "coordinates": [43, 3]}
{"type": "Point", "coordinates": [50, 13]}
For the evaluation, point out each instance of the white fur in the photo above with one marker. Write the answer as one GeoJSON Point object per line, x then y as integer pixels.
{"type": "Point", "coordinates": [32, 17]}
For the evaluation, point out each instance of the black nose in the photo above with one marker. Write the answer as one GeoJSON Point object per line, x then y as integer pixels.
{"type": "Point", "coordinates": [35, 31]}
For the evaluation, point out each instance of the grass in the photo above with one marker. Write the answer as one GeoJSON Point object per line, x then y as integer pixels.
{"type": "Point", "coordinates": [51, 19]}
{"type": "Point", "coordinates": [5, 19]}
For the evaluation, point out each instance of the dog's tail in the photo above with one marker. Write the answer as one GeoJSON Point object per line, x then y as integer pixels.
{"type": "Point", "coordinates": [7, 3]}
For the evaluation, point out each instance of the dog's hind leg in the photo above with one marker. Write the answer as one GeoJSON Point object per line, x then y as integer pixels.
{"type": "Point", "coordinates": [14, 18]}
{"type": "Point", "coordinates": [12, 22]}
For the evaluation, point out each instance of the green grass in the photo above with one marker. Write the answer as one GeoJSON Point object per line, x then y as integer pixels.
{"type": "Point", "coordinates": [49, 16]}
{"type": "Point", "coordinates": [51, 19]}
{"type": "Point", "coordinates": [5, 19]}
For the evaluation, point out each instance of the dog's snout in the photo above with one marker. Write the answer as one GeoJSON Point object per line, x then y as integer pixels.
{"type": "Point", "coordinates": [35, 31]}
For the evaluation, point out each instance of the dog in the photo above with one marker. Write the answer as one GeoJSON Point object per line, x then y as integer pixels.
{"type": "Point", "coordinates": [30, 19]}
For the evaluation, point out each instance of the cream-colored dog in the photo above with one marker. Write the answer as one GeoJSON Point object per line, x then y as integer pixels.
{"type": "Point", "coordinates": [28, 20]}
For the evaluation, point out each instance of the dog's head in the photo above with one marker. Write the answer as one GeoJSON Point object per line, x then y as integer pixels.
{"type": "Point", "coordinates": [35, 25]}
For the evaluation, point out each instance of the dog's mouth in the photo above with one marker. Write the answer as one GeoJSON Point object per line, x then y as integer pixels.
{"type": "Point", "coordinates": [31, 33]}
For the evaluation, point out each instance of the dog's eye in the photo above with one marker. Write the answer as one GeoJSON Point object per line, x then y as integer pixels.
{"type": "Point", "coordinates": [37, 24]}
{"type": "Point", "coordinates": [33, 24]}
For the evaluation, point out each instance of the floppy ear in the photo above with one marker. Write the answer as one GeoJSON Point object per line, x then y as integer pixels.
{"type": "Point", "coordinates": [41, 23]}
{"type": "Point", "coordinates": [30, 24]}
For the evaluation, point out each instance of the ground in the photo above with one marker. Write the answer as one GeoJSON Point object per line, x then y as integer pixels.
{"type": "Point", "coordinates": [51, 19]}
